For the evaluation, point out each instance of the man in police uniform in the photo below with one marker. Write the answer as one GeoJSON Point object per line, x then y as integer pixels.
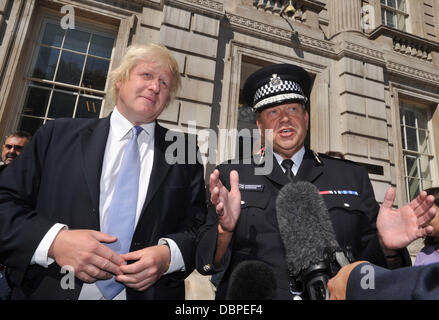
{"type": "Point", "coordinates": [247, 229]}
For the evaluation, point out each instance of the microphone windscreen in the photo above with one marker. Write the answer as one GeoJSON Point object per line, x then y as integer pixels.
{"type": "Point", "coordinates": [252, 280]}
{"type": "Point", "coordinates": [304, 225]}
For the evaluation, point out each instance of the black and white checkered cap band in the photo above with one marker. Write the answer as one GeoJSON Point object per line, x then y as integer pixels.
{"type": "Point", "coordinates": [291, 88]}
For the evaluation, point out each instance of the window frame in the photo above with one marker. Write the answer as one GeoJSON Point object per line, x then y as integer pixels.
{"type": "Point", "coordinates": [45, 17]}
{"type": "Point", "coordinates": [424, 182]}
{"type": "Point", "coordinates": [108, 24]}
{"type": "Point", "coordinates": [397, 12]}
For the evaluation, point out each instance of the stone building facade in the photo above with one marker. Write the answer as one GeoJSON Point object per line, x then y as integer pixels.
{"type": "Point", "coordinates": [374, 65]}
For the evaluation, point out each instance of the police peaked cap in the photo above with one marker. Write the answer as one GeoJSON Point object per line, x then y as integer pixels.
{"type": "Point", "coordinates": [275, 85]}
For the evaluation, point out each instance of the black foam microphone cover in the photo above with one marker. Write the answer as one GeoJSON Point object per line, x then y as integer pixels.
{"type": "Point", "coordinates": [252, 280]}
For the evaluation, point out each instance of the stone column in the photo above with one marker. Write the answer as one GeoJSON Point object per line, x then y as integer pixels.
{"type": "Point", "coordinates": [344, 15]}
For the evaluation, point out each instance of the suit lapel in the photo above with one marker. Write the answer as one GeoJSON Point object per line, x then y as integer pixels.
{"type": "Point", "coordinates": [93, 141]}
{"type": "Point", "coordinates": [160, 167]}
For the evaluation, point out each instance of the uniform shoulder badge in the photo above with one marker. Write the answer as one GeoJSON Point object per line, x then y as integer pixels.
{"type": "Point", "coordinates": [316, 157]}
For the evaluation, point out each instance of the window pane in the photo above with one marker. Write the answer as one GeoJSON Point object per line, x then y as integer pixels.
{"type": "Point", "coordinates": [414, 188]}
{"type": "Point", "coordinates": [410, 118]}
{"type": "Point", "coordinates": [383, 16]}
{"type": "Point", "coordinates": [46, 63]}
{"type": "Point", "coordinates": [383, 2]}
{"type": "Point", "coordinates": [77, 40]}
{"type": "Point", "coordinates": [411, 166]}
{"type": "Point", "coordinates": [423, 141]}
{"type": "Point", "coordinates": [88, 107]}
{"type": "Point", "coordinates": [36, 102]}
{"type": "Point", "coordinates": [101, 46]}
{"type": "Point", "coordinates": [53, 35]}
{"type": "Point", "coordinates": [422, 119]}
{"type": "Point", "coordinates": [70, 68]}
{"type": "Point", "coordinates": [412, 142]}
{"type": "Point", "coordinates": [389, 19]}
{"type": "Point", "coordinates": [30, 125]}
{"type": "Point", "coordinates": [425, 168]}
{"type": "Point", "coordinates": [391, 3]}
{"type": "Point", "coordinates": [95, 74]}
{"type": "Point", "coordinates": [62, 105]}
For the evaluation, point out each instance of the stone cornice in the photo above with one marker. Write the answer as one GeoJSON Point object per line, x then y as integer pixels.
{"type": "Point", "coordinates": [394, 33]}
{"type": "Point", "coordinates": [272, 33]}
{"type": "Point", "coordinates": [413, 73]}
{"type": "Point", "coordinates": [361, 52]}
{"type": "Point", "coordinates": [210, 7]}
{"type": "Point", "coordinates": [316, 5]}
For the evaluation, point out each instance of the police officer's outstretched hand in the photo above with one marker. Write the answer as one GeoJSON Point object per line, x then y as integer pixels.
{"type": "Point", "coordinates": [227, 203]}
{"type": "Point", "coordinates": [397, 228]}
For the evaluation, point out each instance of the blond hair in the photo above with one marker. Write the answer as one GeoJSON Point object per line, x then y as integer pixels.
{"type": "Point", "coordinates": [148, 52]}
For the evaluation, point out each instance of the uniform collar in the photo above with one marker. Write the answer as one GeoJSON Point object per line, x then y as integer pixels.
{"type": "Point", "coordinates": [297, 157]}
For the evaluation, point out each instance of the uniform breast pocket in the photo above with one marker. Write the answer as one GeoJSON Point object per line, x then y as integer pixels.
{"type": "Point", "coordinates": [349, 218]}
{"type": "Point", "coordinates": [253, 219]}
{"type": "Point", "coordinates": [346, 202]}
{"type": "Point", "coordinates": [254, 200]}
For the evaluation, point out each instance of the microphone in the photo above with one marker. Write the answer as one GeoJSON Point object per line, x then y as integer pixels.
{"type": "Point", "coordinates": [252, 280]}
{"type": "Point", "coordinates": [311, 250]}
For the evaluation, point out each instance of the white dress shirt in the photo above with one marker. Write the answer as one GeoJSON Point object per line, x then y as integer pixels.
{"type": "Point", "coordinates": [118, 136]}
{"type": "Point", "coordinates": [297, 159]}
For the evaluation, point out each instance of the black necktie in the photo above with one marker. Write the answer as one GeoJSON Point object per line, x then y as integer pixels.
{"type": "Point", "coordinates": [288, 165]}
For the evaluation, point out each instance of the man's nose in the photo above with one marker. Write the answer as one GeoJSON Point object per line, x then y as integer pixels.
{"type": "Point", "coordinates": [155, 85]}
{"type": "Point", "coordinates": [284, 116]}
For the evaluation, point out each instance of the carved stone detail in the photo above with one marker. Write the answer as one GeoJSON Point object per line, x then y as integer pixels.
{"type": "Point", "coordinates": [365, 51]}
{"type": "Point", "coordinates": [412, 72]}
{"type": "Point", "coordinates": [412, 49]}
{"type": "Point", "coordinates": [208, 4]}
{"type": "Point", "coordinates": [283, 34]}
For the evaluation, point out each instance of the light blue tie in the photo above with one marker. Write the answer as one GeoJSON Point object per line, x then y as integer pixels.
{"type": "Point", "coordinates": [121, 216]}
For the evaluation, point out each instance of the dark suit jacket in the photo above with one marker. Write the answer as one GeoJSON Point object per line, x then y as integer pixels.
{"type": "Point", "coordinates": [417, 283]}
{"type": "Point", "coordinates": [256, 236]}
{"type": "Point", "coordinates": [57, 178]}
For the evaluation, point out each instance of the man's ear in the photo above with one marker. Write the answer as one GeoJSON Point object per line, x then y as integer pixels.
{"type": "Point", "coordinates": [259, 125]}
{"type": "Point", "coordinates": [307, 120]}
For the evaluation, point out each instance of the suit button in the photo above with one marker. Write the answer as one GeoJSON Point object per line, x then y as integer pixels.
{"type": "Point", "coordinates": [206, 267]}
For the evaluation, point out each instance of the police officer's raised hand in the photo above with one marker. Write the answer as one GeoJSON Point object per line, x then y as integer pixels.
{"type": "Point", "coordinates": [227, 203]}
{"type": "Point", "coordinates": [397, 228]}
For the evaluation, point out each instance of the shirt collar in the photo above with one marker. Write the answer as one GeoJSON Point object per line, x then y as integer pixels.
{"type": "Point", "coordinates": [297, 157]}
{"type": "Point", "coordinates": [121, 126]}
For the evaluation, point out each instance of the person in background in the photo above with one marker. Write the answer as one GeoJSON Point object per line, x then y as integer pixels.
{"type": "Point", "coordinates": [99, 200]}
{"type": "Point", "coordinates": [14, 144]}
{"type": "Point", "coordinates": [430, 253]}
{"type": "Point", "coordinates": [11, 149]}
